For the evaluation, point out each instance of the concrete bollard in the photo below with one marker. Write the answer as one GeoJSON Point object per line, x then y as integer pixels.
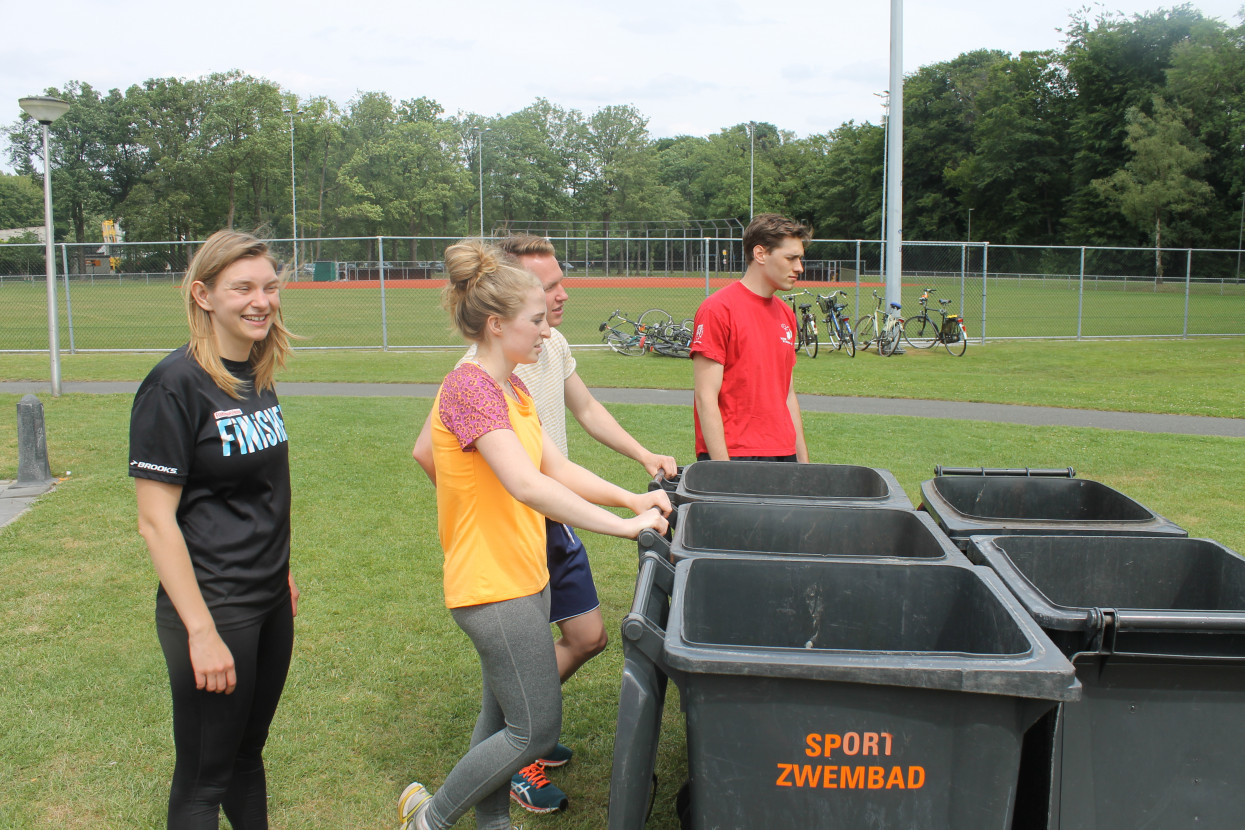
{"type": "Point", "coordinates": [32, 444]}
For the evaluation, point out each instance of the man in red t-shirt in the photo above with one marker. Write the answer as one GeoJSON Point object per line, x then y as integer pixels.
{"type": "Point", "coordinates": [743, 353]}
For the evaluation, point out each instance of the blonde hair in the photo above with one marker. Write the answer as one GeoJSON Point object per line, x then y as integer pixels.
{"type": "Point", "coordinates": [525, 244]}
{"type": "Point", "coordinates": [482, 284]}
{"type": "Point", "coordinates": [221, 250]}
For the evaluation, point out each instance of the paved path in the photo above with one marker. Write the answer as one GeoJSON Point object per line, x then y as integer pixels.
{"type": "Point", "coordinates": [955, 410]}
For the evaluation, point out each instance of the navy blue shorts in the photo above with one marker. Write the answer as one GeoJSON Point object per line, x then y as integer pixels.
{"type": "Point", "coordinates": [570, 577]}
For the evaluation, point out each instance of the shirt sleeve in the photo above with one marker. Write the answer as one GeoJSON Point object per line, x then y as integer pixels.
{"type": "Point", "coordinates": [710, 333]}
{"type": "Point", "coordinates": [472, 404]}
{"type": "Point", "coordinates": [162, 434]}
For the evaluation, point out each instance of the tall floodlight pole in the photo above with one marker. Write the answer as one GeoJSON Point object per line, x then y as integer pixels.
{"type": "Point", "coordinates": [46, 110]}
{"type": "Point", "coordinates": [970, 225]}
{"type": "Point", "coordinates": [480, 165]}
{"type": "Point", "coordinates": [293, 187]}
{"type": "Point", "coordinates": [752, 168]}
{"type": "Point", "coordinates": [894, 161]}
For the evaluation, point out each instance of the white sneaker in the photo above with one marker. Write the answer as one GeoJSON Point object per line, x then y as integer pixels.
{"type": "Point", "coordinates": [411, 803]}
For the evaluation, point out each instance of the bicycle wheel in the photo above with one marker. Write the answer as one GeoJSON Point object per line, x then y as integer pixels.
{"type": "Point", "coordinates": [889, 341]}
{"type": "Point", "coordinates": [959, 346]}
{"type": "Point", "coordinates": [832, 334]}
{"type": "Point", "coordinates": [621, 343]}
{"type": "Point", "coordinates": [846, 339]}
{"type": "Point", "coordinates": [920, 332]}
{"type": "Point", "coordinates": [808, 333]}
{"type": "Point", "coordinates": [864, 332]}
{"type": "Point", "coordinates": [655, 317]}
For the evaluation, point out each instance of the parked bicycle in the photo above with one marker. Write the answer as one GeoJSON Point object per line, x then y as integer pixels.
{"type": "Point", "coordinates": [882, 327]}
{"type": "Point", "coordinates": [838, 323]}
{"type": "Point", "coordinates": [806, 324]}
{"type": "Point", "coordinates": [922, 332]}
{"type": "Point", "coordinates": [653, 331]}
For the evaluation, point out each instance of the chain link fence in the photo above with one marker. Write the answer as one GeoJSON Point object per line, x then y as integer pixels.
{"type": "Point", "coordinates": [384, 292]}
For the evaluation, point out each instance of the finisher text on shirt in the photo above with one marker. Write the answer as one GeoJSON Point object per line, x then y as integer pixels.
{"type": "Point", "coordinates": [251, 433]}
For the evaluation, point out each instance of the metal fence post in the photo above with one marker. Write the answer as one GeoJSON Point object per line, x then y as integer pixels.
{"type": "Point", "coordinates": [68, 305]}
{"type": "Point", "coordinates": [705, 258]}
{"type": "Point", "coordinates": [857, 305]}
{"type": "Point", "coordinates": [985, 274]}
{"type": "Point", "coordinates": [1188, 278]}
{"type": "Point", "coordinates": [384, 320]}
{"type": "Point", "coordinates": [1080, 295]}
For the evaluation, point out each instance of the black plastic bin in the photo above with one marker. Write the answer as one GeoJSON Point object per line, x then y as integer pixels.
{"type": "Point", "coordinates": [983, 505]}
{"type": "Point", "coordinates": [779, 483]}
{"type": "Point", "coordinates": [847, 693]}
{"type": "Point", "coordinates": [710, 528]}
{"type": "Point", "coordinates": [1156, 630]}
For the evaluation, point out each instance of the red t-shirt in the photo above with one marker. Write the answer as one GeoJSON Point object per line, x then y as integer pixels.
{"type": "Point", "coordinates": [754, 340]}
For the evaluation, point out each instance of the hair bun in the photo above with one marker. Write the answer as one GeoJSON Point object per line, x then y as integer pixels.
{"type": "Point", "coordinates": [467, 261]}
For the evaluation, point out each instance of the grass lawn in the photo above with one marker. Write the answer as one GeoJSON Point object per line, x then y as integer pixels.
{"type": "Point", "coordinates": [383, 686]}
{"type": "Point", "coordinates": [1200, 376]}
{"type": "Point", "coordinates": [104, 313]}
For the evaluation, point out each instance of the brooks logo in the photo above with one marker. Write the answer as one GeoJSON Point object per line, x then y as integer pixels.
{"type": "Point", "coordinates": [155, 468]}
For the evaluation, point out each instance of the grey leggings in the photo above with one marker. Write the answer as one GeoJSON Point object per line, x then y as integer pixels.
{"type": "Point", "coordinates": [520, 713]}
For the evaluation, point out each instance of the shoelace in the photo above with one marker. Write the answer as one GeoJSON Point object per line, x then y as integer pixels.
{"type": "Point", "coordinates": [535, 775]}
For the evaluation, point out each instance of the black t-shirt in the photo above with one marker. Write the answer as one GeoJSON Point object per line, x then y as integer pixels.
{"type": "Point", "coordinates": [231, 458]}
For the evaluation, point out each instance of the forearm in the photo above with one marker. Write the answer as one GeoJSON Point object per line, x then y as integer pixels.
{"type": "Point", "coordinates": [797, 421]}
{"type": "Point", "coordinates": [712, 430]}
{"type": "Point", "coordinates": [589, 486]}
{"type": "Point", "coordinates": [598, 422]}
{"type": "Point", "coordinates": [550, 497]}
{"type": "Point", "coordinates": [422, 451]}
{"type": "Point", "coordinates": [171, 560]}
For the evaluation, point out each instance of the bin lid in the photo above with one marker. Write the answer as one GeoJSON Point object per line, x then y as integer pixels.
{"type": "Point", "coordinates": [771, 483]}
{"type": "Point", "coordinates": [968, 505]}
{"type": "Point", "coordinates": [944, 627]}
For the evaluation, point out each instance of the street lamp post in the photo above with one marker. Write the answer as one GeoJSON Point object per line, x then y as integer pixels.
{"type": "Point", "coordinates": [46, 110]}
{"type": "Point", "coordinates": [480, 167]}
{"type": "Point", "coordinates": [752, 168]}
{"type": "Point", "coordinates": [293, 187]}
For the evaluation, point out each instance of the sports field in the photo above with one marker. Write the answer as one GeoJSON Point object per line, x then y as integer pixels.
{"type": "Point", "coordinates": [131, 315]}
{"type": "Point", "coordinates": [383, 686]}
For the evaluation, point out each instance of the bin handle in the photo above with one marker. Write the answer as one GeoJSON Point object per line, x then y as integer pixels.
{"type": "Point", "coordinates": [1066, 472]}
{"type": "Point", "coordinates": [1190, 621]}
{"type": "Point", "coordinates": [651, 540]}
{"type": "Point", "coordinates": [656, 577]}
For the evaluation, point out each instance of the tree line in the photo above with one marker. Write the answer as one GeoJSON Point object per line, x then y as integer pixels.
{"type": "Point", "coordinates": [1132, 133]}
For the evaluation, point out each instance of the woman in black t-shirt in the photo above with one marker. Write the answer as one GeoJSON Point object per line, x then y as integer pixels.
{"type": "Point", "coordinates": [209, 454]}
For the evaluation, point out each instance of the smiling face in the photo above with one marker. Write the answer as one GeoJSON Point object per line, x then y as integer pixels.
{"type": "Point", "coordinates": [547, 269]}
{"type": "Point", "coordinates": [522, 336]}
{"type": "Point", "coordinates": [780, 266]}
{"type": "Point", "coordinates": [243, 302]}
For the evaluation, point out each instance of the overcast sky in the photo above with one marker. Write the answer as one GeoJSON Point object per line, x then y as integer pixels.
{"type": "Point", "coordinates": [690, 66]}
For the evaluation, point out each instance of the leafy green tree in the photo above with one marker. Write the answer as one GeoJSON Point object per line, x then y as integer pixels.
{"type": "Point", "coordinates": [21, 202]}
{"type": "Point", "coordinates": [406, 177]}
{"type": "Point", "coordinates": [1017, 174]}
{"type": "Point", "coordinates": [240, 139]}
{"type": "Point", "coordinates": [1160, 180]}
{"type": "Point", "coordinates": [81, 159]}
{"type": "Point", "coordinates": [1207, 78]}
{"type": "Point", "coordinates": [1113, 64]}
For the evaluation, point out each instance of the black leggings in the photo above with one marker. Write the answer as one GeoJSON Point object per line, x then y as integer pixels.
{"type": "Point", "coordinates": [219, 737]}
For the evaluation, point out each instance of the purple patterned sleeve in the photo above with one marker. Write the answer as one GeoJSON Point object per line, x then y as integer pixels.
{"type": "Point", "coordinates": [472, 404]}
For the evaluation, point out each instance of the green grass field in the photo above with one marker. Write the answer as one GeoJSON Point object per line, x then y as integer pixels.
{"type": "Point", "coordinates": [141, 316]}
{"type": "Point", "coordinates": [383, 686]}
